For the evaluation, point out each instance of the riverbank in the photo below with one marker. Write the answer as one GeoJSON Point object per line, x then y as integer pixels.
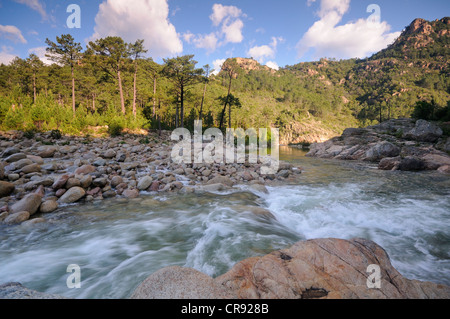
{"type": "Point", "coordinates": [398, 144]}
{"type": "Point", "coordinates": [41, 173]}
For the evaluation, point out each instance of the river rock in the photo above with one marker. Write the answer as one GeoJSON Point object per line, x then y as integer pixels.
{"type": "Point", "coordinates": [6, 188]}
{"type": "Point", "coordinates": [145, 182]}
{"type": "Point", "coordinates": [29, 203]}
{"type": "Point", "coordinates": [48, 206]}
{"type": "Point", "coordinates": [130, 193]}
{"type": "Point", "coordinates": [46, 151]}
{"type": "Point", "coordinates": [14, 290]}
{"type": "Point", "coordinates": [116, 180]}
{"type": "Point", "coordinates": [31, 168]}
{"type": "Point", "coordinates": [22, 163]}
{"type": "Point", "coordinates": [2, 171]}
{"type": "Point", "coordinates": [86, 181]}
{"type": "Point", "coordinates": [382, 150]}
{"type": "Point", "coordinates": [15, 157]}
{"type": "Point", "coordinates": [85, 169]}
{"type": "Point", "coordinates": [72, 195]}
{"type": "Point", "coordinates": [176, 282]}
{"type": "Point", "coordinates": [60, 182]}
{"type": "Point", "coordinates": [109, 154]}
{"type": "Point", "coordinates": [10, 151]}
{"type": "Point", "coordinates": [154, 187]}
{"type": "Point", "coordinates": [424, 131]}
{"type": "Point", "coordinates": [17, 218]}
{"type": "Point", "coordinates": [71, 182]}
{"type": "Point", "coordinates": [221, 180]}
{"type": "Point", "coordinates": [411, 163]}
{"type": "Point", "coordinates": [36, 159]}
{"type": "Point", "coordinates": [445, 169]}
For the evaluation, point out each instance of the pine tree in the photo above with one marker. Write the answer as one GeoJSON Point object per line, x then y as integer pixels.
{"type": "Point", "coordinates": [65, 52]}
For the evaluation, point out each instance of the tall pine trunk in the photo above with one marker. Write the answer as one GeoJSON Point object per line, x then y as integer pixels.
{"type": "Point", "coordinates": [182, 105]}
{"type": "Point", "coordinates": [34, 87]}
{"type": "Point", "coordinates": [73, 92]}
{"type": "Point", "coordinates": [226, 102]}
{"type": "Point", "coordinates": [134, 91]}
{"type": "Point", "coordinates": [122, 101]}
{"type": "Point", "coordinates": [203, 100]}
{"type": "Point", "coordinates": [154, 96]}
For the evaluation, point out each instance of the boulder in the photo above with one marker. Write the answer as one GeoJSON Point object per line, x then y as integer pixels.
{"type": "Point", "coordinates": [180, 283]}
{"type": "Point", "coordinates": [72, 195]}
{"type": "Point", "coordinates": [109, 154]}
{"type": "Point", "coordinates": [221, 180]}
{"type": "Point", "coordinates": [382, 150]}
{"type": "Point", "coordinates": [324, 268]}
{"type": "Point", "coordinates": [17, 218]}
{"type": "Point", "coordinates": [6, 188]}
{"type": "Point", "coordinates": [48, 206]}
{"type": "Point", "coordinates": [46, 151]}
{"type": "Point", "coordinates": [313, 269]}
{"type": "Point", "coordinates": [10, 151]}
{"type": "Point", "coordinates": [15, 157]}
{"type": "Point", "coordinates": [424, 131]}
{"type": "Point", "coordinates": [389, 163]}
{"type": "Point", "coordinates": [29, 203]}
{"type": "Point", "coordinates": [31, 168]}
{"type": "Point", "coordinates": [130, 193]}
{"type": "Point", "coordinates": [60, 182]}
{"type": "Point", "coordinates": [411, 163]}
{"type": "Point", "coordinates": [14, 290]}
{"type": "Point", "coordinates": [116, 180]}
{"type": "Point", "coordinates": [85, 169]}
{"type": "Point", "coordinates": [71, 182]}
{"type": "Point", "coordinates": [145, 182]}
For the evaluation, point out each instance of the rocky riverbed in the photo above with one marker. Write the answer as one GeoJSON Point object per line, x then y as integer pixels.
{"type": "Point", "coordinates": [398, 144]}
{"type": "Point", "coordinates": [41, 173]}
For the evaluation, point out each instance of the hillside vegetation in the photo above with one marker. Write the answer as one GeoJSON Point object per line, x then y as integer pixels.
{"type": "Point", "coordinates": [116, 88]}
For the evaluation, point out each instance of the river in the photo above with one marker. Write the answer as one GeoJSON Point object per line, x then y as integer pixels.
{"type": "Point", "coordinates": [117, 243]}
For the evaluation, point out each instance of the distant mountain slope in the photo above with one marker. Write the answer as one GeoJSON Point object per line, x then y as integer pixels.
{"type": "Point", "coordinates": [312, 101]}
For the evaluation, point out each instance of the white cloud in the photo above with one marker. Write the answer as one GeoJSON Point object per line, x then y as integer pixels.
{"type": "Point", "coordinates": [224, 14]}
{"type": "Point", "coordinates": [260, 53]}
{"type": "Point", "coordinates": [36, 5]}
{"type": "Point", "coordinates": [40, 53]}
{"type": "Point", "coordinates": [6, 56]}
{"type": "Point", "coordinates": [229, 25]}
{"type": "Point", "coordinates": [12, 33]}
{"type": "Point", "coordinates": [233, 31]}
{"type": "Point", "coordinates": [272, 65]}
{"type": "Point", "coordinates": [217, 65]}
{"type": "Point", "coordinates": [134, 20]}
{"type": "Point", "coordinates": [208, 42]}
{"type": "Point", "coordinates": [263, 52]}
{"type": "Point", "coordinates": [354, 39]}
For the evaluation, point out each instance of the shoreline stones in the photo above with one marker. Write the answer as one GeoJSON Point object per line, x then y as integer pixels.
{"type": "Point", "coordinates": [79, 169]}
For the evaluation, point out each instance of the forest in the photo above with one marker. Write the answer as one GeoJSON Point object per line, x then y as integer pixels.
{"type": "Point", "coordinates": [114, 86]}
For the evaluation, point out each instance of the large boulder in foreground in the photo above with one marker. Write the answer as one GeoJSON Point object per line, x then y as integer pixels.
{"type": "Point", "coordinates": [319, 268]}
{"type": "Point", "coordinates": [180, 283]}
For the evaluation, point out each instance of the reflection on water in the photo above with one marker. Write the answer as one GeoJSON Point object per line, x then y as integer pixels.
{"type": "Point", "coordinates": [118, 243]}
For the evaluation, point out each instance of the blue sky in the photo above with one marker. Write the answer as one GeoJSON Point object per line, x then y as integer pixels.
{"type": "Point", "coordinates": [276, 33]}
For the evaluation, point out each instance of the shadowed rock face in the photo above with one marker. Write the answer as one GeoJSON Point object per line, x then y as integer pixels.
{"type": "Point", "coordinates": [319, 268]}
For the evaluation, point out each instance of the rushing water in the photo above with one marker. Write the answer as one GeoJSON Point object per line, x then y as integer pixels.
{"type": "Point", "coordinates": [117, 243]}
